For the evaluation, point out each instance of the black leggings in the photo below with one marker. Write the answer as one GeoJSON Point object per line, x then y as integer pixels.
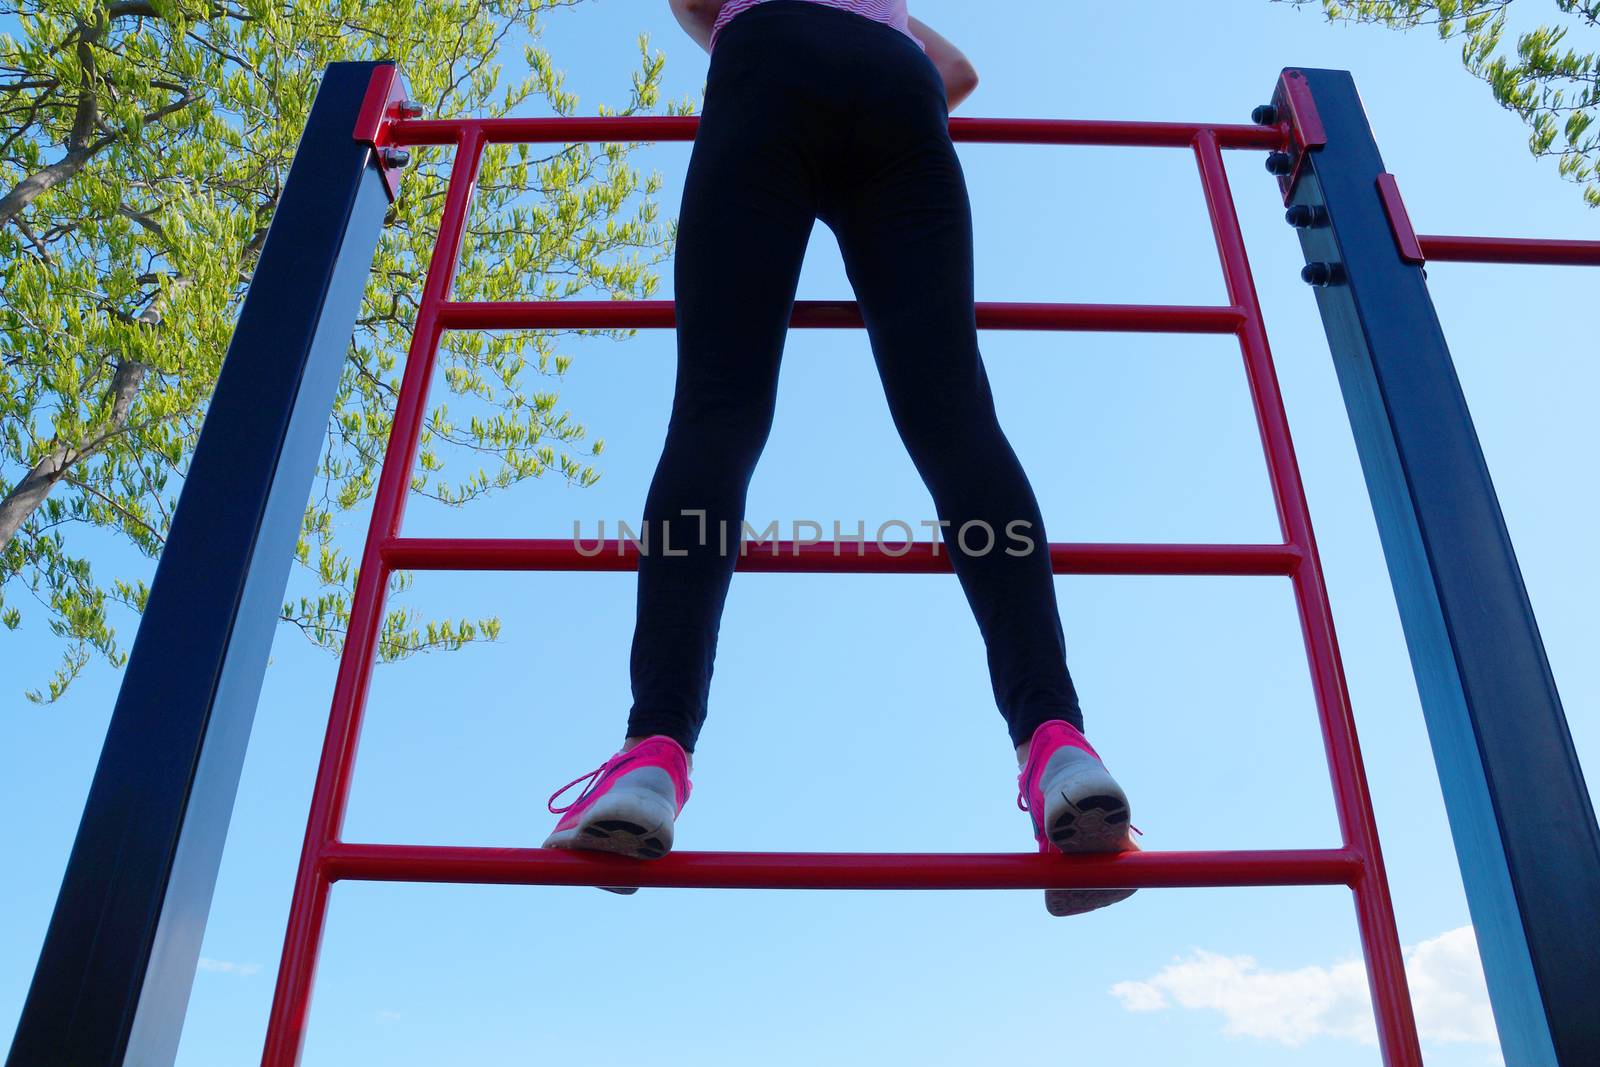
{"type": "Point", "coordinates": [814, 112]}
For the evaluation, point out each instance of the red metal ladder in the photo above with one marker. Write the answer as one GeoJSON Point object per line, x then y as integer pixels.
{"type": "Point", "coordinates": [327, 858]}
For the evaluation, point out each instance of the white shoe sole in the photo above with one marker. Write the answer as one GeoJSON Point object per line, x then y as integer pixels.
{"type": "Point", "coordinates": [1085, 811]}
{"type": "Point", "coordinates": [634, 818]}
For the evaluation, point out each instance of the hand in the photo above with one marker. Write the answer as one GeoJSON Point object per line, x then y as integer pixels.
{"type": "Point", "coordinates": [960, 76]}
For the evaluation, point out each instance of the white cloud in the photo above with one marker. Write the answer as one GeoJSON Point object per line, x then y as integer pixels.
{"type": "Point", "coordinates": [244, 970]}
{"type": "Point", "coordinates": [1289, 1007]}
{"type": "Point", "coordinates": [1447, 988]}
{"type": "Point", "coordinates": [1292, 1007]}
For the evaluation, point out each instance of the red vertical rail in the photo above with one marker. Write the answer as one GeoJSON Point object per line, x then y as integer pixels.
{"type": "Point", "coordinates": [308, 909]}
{"type": "Point", "coordinates": [1386, 976]}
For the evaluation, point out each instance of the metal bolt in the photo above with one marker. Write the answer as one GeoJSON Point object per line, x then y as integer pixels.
{"type": "Point", "coordinates": [1265, 115]}
{"type": "Point", "coordinates": [394, 158]}
{"type": "Point", "coordinates": [1305, 216]}
{"type": "Point", "coordinates": [1322, 274]}
{"type": "Point", "coordinates": [409, 109]}
{"type": "Point", "coordinates": [1280, 163]}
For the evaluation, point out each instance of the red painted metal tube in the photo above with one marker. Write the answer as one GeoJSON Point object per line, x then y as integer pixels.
{"type": "Point", "coordinates": [308, 908]}
{"type": "Point", "coordinates": [789, 557]}
{"type": "Point", "coordinates": [842, 870]}
{"type": "Point", "coordinates": [1386, 976]}
{"type": "Point", "coordinates": [1511, 250]}
{"type": "Point", "coordinates": [841, 314]}
{"type": "Point", "coordinates": [1415, 249]}
{"type": "Point", "coordinates": [1113, 134]}
{"type": "Point", "coordinates": [976, 130]}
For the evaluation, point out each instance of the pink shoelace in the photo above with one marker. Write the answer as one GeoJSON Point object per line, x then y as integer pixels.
{"type": "Point", "coordinates": [591, 780]}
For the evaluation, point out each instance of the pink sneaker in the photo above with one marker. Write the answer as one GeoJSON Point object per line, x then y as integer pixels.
{"type": "Point", "coordinates": [628, 804]}
{"type": "Point", "coordinates": [1076, 806]}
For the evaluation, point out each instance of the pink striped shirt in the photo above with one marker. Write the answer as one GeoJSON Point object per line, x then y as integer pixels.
{"type": "Point", "coordinates": [889, 12]}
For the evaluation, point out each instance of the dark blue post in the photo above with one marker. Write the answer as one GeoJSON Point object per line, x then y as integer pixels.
{"type": "Point", "coordinates": [1519, 811]}
{"type": "Point", "coordinates": [119, 958]}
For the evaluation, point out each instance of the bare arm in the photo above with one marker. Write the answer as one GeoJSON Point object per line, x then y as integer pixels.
{"type": "Point", "coordinates": [696, 17]}
{"type": "Point", "coordinates": [960, 76]}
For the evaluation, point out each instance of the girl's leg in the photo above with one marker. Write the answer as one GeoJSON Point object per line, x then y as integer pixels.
{"type": "Point", "coordinates": [747, 213]}
{"type": "Point", "coordinates": [905, 231]}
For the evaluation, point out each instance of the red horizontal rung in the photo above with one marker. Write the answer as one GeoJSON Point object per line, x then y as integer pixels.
{"type": "Point", "coordinates": [683, 128]}
{"type": "Point", "coordinates": [1511, 250]}
{"type": "Point", "coordinates": [848, 557]}
{"type": "Point", "coordinates": [840, 314]}
{"type": "Point", "coordinates": [840, 870]}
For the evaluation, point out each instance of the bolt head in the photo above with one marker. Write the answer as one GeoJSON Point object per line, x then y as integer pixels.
{"type": "Point", "coordinates": [395, 158]}
{"type": "Point", "coordinates": [1265, 115]}
{"type": "Point", "coordinates": [1304, 216]}
{"type": "Point", "coordinates": [409, 109]}
{"type": "Point", "coordinates": [1321, 274]}
{"type": "Point", "coordinates": [1280, 164]}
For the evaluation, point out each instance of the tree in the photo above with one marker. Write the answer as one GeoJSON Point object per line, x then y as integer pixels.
{"type": "Point", "coordinates": [1552, 85]}
{"type": "Point", "coordinates": [142, 149]}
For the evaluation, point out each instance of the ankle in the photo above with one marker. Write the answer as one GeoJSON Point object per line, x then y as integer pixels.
{"type": "Point", "coordinates": [630, 742]}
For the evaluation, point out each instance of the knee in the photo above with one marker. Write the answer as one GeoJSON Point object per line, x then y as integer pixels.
{"type": "Point", "coordinates": [732, 428]}
{"type": "Point", "coordinates": [944, 423]}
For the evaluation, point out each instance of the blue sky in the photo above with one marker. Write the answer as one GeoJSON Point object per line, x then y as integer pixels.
{"type": "Point", "coordinates": [854, 713]}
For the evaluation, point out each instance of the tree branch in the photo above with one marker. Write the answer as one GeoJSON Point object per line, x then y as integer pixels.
{"type": "Point", "coordinates": [28, 494]}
